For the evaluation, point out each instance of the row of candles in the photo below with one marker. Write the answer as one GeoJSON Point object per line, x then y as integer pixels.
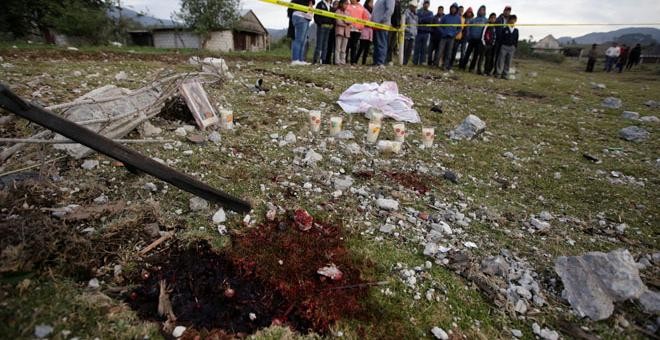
{"type": "Point", "coordinates": [373, 131]}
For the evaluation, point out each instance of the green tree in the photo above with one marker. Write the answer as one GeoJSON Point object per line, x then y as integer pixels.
{"type": "Point", "coordinates": [84, 18]}
{"type": "Point", "coordinates": [205, 16]}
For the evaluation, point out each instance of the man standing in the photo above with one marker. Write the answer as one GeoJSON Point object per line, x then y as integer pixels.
{"type": "Point", "coordinates": [499, 29]}
{"type": "Point", "coordinates": [434, 45]}
{"type": "Point", "coordinates": [611, 56]}
{"type": "Point", "coordinates": [424, 17]}
{"type": "Point", "coordinates": [410, 17]}
{"type": "Point", "coordinates": [623, 58]}
{"type": "Point", "coordinates": [323, 27]}
{"type": "Point", "coordinates": [593, 54]}
{"type": "Point", "coordinates": [635, 56]}
{"type": "Point", "coordinates": [474, 40]}
{"type": "Point", "coordinates": [393, 36]}
{"type": "Point", "coordinates": [461, 40]}
{"type": "Point", "coordinates": [383, 15]}
{"type": "Point", "coordinates": [509, 41]}
{"type": "Point", "coordinates": [448, 34]}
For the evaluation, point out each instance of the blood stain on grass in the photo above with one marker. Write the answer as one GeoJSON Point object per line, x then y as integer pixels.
{"type": "Point", "coordinates": [269, 276]}
{"type": "Point", "coordinates": [414, 181]}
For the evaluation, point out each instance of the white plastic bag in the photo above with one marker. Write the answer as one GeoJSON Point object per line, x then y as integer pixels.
{"type": "Point", "coordinates": [360, 97]}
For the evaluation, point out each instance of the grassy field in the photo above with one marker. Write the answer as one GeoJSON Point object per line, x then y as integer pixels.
{"type": "Point", "coordinates": [530, 160]}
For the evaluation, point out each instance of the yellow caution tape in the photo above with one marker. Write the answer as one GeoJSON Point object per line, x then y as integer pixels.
{"type": "Point", "coordinates": [380, 26]}
{"type": "Point", "coordinates": [331, 15]}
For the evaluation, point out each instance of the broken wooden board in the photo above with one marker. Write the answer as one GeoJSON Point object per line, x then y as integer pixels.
{"type": "Point", "coordinates": [199, 104]}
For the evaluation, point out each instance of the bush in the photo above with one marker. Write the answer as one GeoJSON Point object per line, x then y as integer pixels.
{"type": "Point", "coordinates": [551, 57]}
{"type": "Point", "coordinates": [80, 19]}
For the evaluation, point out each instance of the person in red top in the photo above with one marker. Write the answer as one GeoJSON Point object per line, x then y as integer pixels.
{"type": "Point", "coordinates": [355, 10]}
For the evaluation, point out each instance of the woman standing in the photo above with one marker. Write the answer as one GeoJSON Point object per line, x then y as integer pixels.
{"type": "Point", "coordinates": [342, 33]}
{"type": "Point", "coordinates": [366, 35]}
{"type": "Point", "coordinates": [300, 21]}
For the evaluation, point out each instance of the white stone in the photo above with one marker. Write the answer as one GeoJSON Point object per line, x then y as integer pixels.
{"type": "Point", "coordinates": [219, 216]}
{"type": "Point", "coordinates": [430, 249]}
{"type": "Point", "coordinates": [252, 316]}
{"type": "Point", "coordinates": [150, 187]}
{"type": "Point", "coordinates": [439, 333]}
{"type": "Point", "coordinates": [470, 244]}
{"type": "Point", "coordinates": [90, 164]}
{"type": "Point", "coordinates": [181, 132]}
{"type": "Point", "coordinates": [387, 204]}
{"type": "Point", "coordinates": [197, 204]}
{"type": "Point", "coordinates": [516, 333]}
{"type": "Point", "coordinates": [121, 76]}
{"type": "Point", "coordinates": [290, 138]}
{"type": "Point", "coordinates": [178, 331]}
{"type": "Point", "coordinates": [41, 331]}
{"type": "Point", "coordinates": [93, 283]}
{"type": "Point", "coordinates": [215, 137]}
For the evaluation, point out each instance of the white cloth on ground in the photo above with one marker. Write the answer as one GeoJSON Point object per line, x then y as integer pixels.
{"type": "Point", "coordinates": [385, 97]}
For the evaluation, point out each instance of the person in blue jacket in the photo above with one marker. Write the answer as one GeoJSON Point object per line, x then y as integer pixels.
{"type": "Point", "coordinates": [434, 45]}
{"type": "Point", "coordinates": [448, 35]}
{"type": "Point", "coordinates": [424, 17]}
{"type": "Point", "coordinates": [475, 44]}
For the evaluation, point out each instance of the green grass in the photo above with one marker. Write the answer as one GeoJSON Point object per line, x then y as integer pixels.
{"type": "Point", "coordinates": [540, 127]}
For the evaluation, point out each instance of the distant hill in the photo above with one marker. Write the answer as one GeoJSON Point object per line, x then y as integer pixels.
{"type": "Point", "coordinates": [603, 37]}
{"type": "Point", "coordinates": [277, 34]}
{"type": "Point", "coordinates": [140, 19]}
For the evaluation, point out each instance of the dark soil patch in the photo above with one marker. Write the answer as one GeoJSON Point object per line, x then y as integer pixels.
{"type": "Point", "coordinates": [176, 109]}
{"type": "Point", "coordinates": [414, 181]}
{"type": "Point", "coordinates": [529, 94]}
{"type": "Point", "coordinates": [272, 272]}
{"type": "Point", "coordinates": [34, 239]}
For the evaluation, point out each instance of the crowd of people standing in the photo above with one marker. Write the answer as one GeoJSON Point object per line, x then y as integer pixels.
{"type": "Point", "coordinates": [616, 57]}
{"type": "Point", "coordinates": [488, 50]}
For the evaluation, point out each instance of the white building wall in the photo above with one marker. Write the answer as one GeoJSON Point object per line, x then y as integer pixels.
{"type": "Point", "coordinates": [220, 41]}
{"type": "Point", "coordinates": [176, 39]}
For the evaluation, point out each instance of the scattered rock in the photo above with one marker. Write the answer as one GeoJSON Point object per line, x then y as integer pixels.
{"type": "Point", "coordinates": [178, 331]}
{"type": "Point", "coordinates": [612, 103]}
{"type": "Point", "coordinates": [331, 271]}
{"type": "Point", "coordinates": [650, 119]}
{"type": "Point", "coordinates": [150, 187]}
{"type": "Point", "coordinates": [592, 282]}
{"type": "Point", "coordinates": [94, 283]}
{"type": "Point", "coordinates": [198, 204]}
{"type": "Point", "coordinates": [121, 76]}
{"type": "Point", "coordinates": [598, 86]}
{"type": "Point", "coordinates": [652, 104]}
{"type": "Point", "coordinates": [651, 301]}
{"type": "Point", "coordinates": [41, 331]}
{"type": "Point", "coordinates": [387, 204]}
{"type": "Point", "coordinates": [387, 228]}
{"type": "Point", "coordinates": [219, 216]}
{"type": "Point", "coordinates": [450, 176]}
{"type": "Point", "coordinates": [516, 333]}
{"type": "Point", "coordinates": [149, 130]}
{"type": "Point", "coordinates": [90, 164]}
{"type": "Point", "coordinates": [430, 249]}
{"type": "Point", "coordinates": [538, 224]}
{"type": "Point", "coordinates": [311, 157]}
{"type": "Point", "coordinates": [495, 265]}
{"type": "Point", "coordinates": [344, 183]}
{"type": "Point", "coordinates": [630, 115]}
{"type": "Point", "coordinates": [215, 137]}
{"type": "Point", "coordinates": [290, 138]}
{"type": "Point", "coordinates": [439, 333]}
{"type": "Point", "coordinates": [471, 127]}
{"type": "Point", "coordinates": [181, 132]}
{"type": "Point", "coordinates": [102, 199]}
{"type": "Point", "coordinates": [634, 134]}
{"type": "Point", "coordinates": [196, 138]}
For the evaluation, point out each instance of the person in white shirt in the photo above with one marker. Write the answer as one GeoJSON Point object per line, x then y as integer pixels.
{"type": "Point", "coordinates": [611, 56]}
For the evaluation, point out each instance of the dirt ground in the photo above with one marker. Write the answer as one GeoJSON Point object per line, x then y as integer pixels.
{"type": "Point", "coordinates": [84, 274]}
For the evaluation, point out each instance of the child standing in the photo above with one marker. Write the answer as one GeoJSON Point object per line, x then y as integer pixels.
{"type": "Point", "coordinates": [366, 35]}
{"type": "Point", "coordinates": [488, 39]}
{"type": "Point", "coordinates": [342, 34]}
{"type": "Point", "coordinates": [509, 44]}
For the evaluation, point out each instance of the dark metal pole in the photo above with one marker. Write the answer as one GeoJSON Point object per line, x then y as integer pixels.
{"type": "Point", "coordinates": [132, 159]}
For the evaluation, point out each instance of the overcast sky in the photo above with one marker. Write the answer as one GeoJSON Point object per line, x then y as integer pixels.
{"type": "Point", "coordinates": [528, 12]}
